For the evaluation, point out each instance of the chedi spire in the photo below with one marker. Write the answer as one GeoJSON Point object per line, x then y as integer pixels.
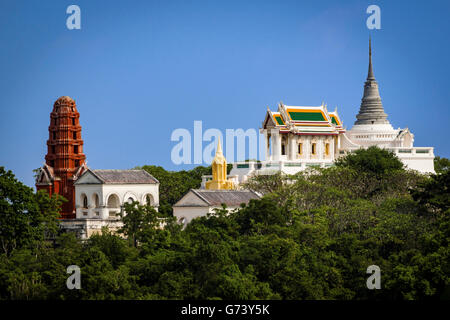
{"type": "Point", "coordinates": [371, 110]}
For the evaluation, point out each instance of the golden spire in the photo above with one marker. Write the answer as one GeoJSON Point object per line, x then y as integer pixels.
{"type": "Point", "coordinates": [219, 172]}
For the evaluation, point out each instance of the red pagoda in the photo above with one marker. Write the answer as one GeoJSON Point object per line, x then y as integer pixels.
{"type": "Point", "coordinates": [65, 160]}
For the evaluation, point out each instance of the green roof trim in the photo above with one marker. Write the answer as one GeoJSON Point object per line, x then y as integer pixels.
{"type": "Point", "coordinates": [279, 120]}
{"type": "Point", "coordinates": [306, 116]}
{"type": "Point", "coordinates": [333, 120]}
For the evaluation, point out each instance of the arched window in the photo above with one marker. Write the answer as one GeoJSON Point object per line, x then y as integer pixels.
{"type": "Point", "coordinates": [113, 204]}
{"type": "Point", "coordinates": [149, 200]}
{"type": "Point", "coordinates": [130, 200]}
{"type": "Point", "coordinates": [96, 200]}
{"type": "Point", "coordinates": [85, 202]}
{"type": "Point", "coordinates": [113, 201]}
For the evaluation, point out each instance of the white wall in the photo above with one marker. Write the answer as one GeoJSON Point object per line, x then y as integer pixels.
{"type": "Point", "coordinates": [190, 213]}
{"type": "Point", "coordinates": [423, 165]}
{"type": "Point", "coordinates": [123, 191]}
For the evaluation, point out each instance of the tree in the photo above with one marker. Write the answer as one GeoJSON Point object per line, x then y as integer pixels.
{"type": "Point", "coordinates": [376, 161]}
{"type": "Point", "coordinates": [441, 165]}
{"type": "Point", "coordinates": [25, 217]}
{"type": "Point", "coordinates": [113, 246]}
{"type": "Point", "coordinates": [312, 236]}
{"type": "Point", "coordinates": [434, 193]}
{"type": "Point", "coordinates": [143, 224]}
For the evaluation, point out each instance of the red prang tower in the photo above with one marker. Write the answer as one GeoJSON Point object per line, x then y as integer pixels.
{"type": "Point", "coordinates": [65, 160]}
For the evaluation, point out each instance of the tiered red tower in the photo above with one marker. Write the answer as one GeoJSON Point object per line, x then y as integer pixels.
{"type": "Point", "coordinates": [65, 160]}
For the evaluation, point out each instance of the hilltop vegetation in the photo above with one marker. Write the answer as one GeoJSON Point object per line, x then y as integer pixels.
{"type": "Point", "coordinates": [312, 236]}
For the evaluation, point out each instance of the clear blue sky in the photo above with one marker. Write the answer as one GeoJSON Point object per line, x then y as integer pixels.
{"type": "Point", "coordinates": [140, 69]}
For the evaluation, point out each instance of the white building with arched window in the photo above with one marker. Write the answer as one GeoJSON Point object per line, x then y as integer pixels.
{"type": "Point", "coordinates": [100, 196]}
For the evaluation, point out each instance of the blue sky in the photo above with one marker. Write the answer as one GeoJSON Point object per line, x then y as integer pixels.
{"type": "Point", "coordinates": [140, 69]}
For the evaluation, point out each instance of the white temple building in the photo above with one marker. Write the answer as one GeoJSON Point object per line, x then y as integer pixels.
{"type": "Point", "coordinates": [100, 196]}
{"type": "Point", "coordinates": [299, 137]}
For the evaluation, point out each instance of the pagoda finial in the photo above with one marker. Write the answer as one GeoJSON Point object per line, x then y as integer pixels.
{"type": "Point", "coordinates": [219, 148]}
{"type": "Point", "coordinates": [370, 75]}
{"type": "Point", "coordinates": [219, 172]}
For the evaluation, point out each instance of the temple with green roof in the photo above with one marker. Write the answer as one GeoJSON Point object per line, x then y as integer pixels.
{"type": "Point", "coordinates": [301, 137]}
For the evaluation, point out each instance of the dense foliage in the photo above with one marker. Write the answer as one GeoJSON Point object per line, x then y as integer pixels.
{"type": "Point", "coordinates": [312, 236]}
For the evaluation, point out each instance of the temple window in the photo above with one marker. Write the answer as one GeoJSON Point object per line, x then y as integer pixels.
{"type": "Point", "coordinates": [75, 149]}
{"type": "Point", "coordinates": [300, 147]}
{"type": "Point", "coordinates": [327, 149]}
{"type": "Point", "coordinates": [85, 202]}
{"type": "Point", "coordinates": [53, 149]}
{"type": "Point", "coordinates": [313, 148]}
{"type": "Point", "coordinates": [148, 200]}
{"type": "Point", "coordinates": [74, 135]}
{"type": "Point", "coordinates": [113, 202]}
{"type": "Point", "coordinates": [73, 121]}
{"type": "Point", "coordinates": [96, 200]}
{"type": "Point", "coordinates": [283, 150]}
{"type": "Point", "coordinates": [54, 135]}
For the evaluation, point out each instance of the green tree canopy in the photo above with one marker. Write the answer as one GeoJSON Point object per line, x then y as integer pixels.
{"type": "Point", "coordinates": [373, 160]}
{"type": "Point", "coordinates": [26, 218]}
